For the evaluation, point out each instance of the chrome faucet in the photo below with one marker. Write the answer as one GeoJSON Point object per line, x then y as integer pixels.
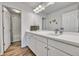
{"type": "Point", "coordinates": [56, 31]}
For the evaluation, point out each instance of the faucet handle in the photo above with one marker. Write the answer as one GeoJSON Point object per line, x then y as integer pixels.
{"type": "Point", "coordinates": [61, 30]}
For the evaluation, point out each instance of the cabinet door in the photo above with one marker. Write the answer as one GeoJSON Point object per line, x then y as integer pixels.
{"type": "Point", "coordinates": [55, 52]}
{"type": "Point", "coordinates": [37, 46]}
{"type": "Point", "coordinates": [32, 44]}
{"type": "Point", "coordinates": [29, 41]}
{"type": "Point", "coordinates": [41, 50]}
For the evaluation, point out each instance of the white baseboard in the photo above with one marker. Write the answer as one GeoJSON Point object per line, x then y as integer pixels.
{"type": "Point", "coordinates": [16, 40]}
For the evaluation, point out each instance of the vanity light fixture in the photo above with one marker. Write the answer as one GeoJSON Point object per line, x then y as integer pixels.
{"type": "Point", "coordinates": [5, 9]}
{"type": "Point", "coordinates": [15, 10]}
{"type": "Point", "coordinates": [50, 3]}
{"type": "Point", "coordinates": [42, 7]}
{"type": "Point", "coordinates": [38, 9]}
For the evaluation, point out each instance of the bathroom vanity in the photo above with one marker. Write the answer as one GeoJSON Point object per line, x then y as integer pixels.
{"type": "Point", "coordinates": [50, 43]}
{"type": "Point", "coordinates": [45, 43]}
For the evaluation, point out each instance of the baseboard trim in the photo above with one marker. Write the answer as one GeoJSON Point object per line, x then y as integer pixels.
{"type": "Point", "coordinates": [17, 41]}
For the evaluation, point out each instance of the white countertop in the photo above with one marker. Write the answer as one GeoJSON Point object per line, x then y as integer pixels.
{"type": "Point", "coordinates": [66, 37]}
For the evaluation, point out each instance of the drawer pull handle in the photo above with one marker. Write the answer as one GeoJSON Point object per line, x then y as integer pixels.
{"type": "Point", "coordinates": [47, 48]}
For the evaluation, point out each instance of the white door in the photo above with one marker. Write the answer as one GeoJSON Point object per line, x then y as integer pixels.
{"type": "Point", "coordinates": [16, 27]}
{"type": "Point", "coordinates": [32, 43]}
{"type": "Point", "coordinates": [41, 49]}
{"type": "Point", "coordinates": [6, 19]}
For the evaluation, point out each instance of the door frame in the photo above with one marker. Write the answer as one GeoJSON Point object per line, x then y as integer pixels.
{"type": "Point", "coordinates": [10, 23]}
{"type": "Point", "coordinates": [3, 27]}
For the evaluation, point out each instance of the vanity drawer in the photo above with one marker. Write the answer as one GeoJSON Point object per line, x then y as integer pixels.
{"type": "Point", "coordinates": [69, 49]}
{"type": "Point", "coordinates": [55, 52]}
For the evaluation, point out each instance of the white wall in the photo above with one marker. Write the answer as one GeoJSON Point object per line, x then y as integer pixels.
{"type": "Point", "coordinates": [58, 16]}
{"type": "Point", "coordinates": [30, 19]}
{"type": "Point", "coordinates": [27, 18]}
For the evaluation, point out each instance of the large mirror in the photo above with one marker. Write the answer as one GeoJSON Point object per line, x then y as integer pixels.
{"type": "Point", "coordinates": [63, 15]}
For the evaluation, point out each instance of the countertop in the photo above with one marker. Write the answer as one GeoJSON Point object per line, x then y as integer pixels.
{"type": "Point", "coordinates": [71, 38]}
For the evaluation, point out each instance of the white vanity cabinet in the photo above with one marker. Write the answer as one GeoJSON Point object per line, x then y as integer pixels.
{"type": "Point", "coordinates": [37, 46]}
{"type": "Point", "coordinates": [40, 47]}
{"type": "Point", "coordinates": [43, 46]}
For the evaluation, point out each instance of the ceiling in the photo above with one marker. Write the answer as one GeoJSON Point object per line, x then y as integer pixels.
{"type": "Point", "coordinates": [32, 4]}
{"type": "Point", "coordinates": [51, 8]}
{"type": "Point", "coordinates": [57, 6]}
{"type": "Point", "coordinates": [12, 10]}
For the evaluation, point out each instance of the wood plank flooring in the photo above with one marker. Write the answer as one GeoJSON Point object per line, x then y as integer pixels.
{"type": "Point", "coordinates": [16, 50]}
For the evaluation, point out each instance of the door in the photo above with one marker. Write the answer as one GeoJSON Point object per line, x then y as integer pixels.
{"type": "Point", "coordinates": [41, 48]}
{"type": "Point", "coordinates": [16, 27]}
{"type": "Point", "coordinates": [6, 22]}
{"type": "Point", "coordinates": [32, 43]}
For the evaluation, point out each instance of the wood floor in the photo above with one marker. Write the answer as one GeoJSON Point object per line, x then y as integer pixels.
{"type": "Point", "coordinates": [16, 50]}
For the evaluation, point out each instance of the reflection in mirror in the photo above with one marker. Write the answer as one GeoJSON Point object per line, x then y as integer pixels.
{"type": "Point", "coordinates": [70, 21]}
